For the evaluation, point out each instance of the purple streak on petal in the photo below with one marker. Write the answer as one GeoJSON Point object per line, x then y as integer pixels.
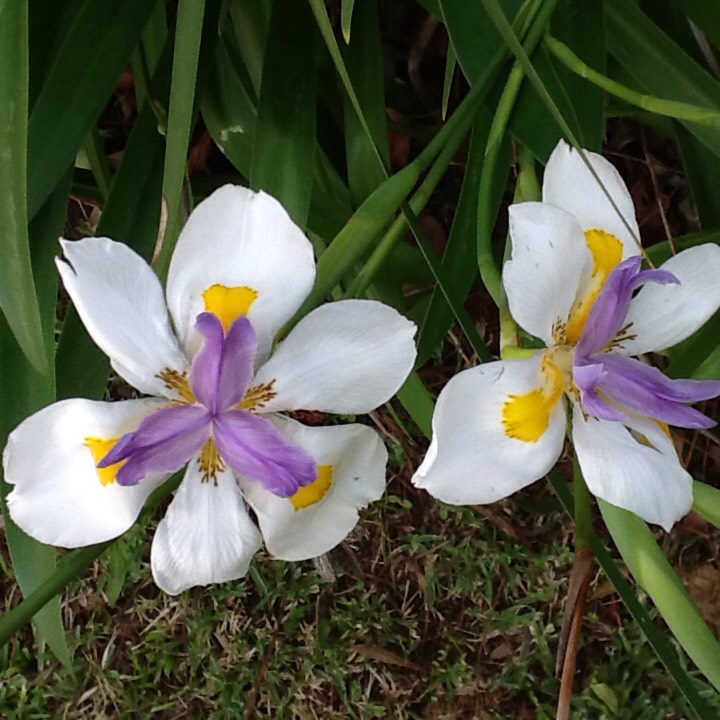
{"type": "Point", "coordinates": [587, 378]}
{"type": "Point", "coordinates": [255, 449]}
{"type": "Point", "coordinates": [607, 315]}
{"type": "Point", "coordinates": [207, 363]}
{"type": "Point", "coordinates": [642, 389]}
{"type": "Point", "coordinates": [238, 358]}
{"type": "Point", "coordinates": [223, 367]}
{"type": "Point", "coordinates": [163, 442]}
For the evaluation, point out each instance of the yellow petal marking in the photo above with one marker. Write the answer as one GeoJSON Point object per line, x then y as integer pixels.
{"type": "Point", "coordinates": [315, 491]}
{"type": "Point", "coordinates": [606, 251]}
{"type": "Point", "coordinates": [228, 303]}
{"type": "Point", "coordinates": [526, 417]}
{"type": "Point", "coordinates": [99, 448]}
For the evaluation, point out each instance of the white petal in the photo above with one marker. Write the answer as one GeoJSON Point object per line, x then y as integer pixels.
{"type": "Point", "coordinates": [471, 459]}
{"type": "Point", "coordinates": [358, 459]}
{"type": "Point", "coordinates": [239, 238]}
{"type": "Point", "coordinates": [549, 256]}
{"type": "Point", "coordinates": [569, 185]}
{"type": "Point", "coordinates": [206, 535]}
{"type": "Point", "coordinates": [120, 301]}
{"type": "Point", "coordinates": [663, 315]}
{"type": "Point", "coordinates": [344, 357]}
{"type": "Point", "coordinates": [58, 498]}
{"type": "Point", "coordinates": [648, 481]}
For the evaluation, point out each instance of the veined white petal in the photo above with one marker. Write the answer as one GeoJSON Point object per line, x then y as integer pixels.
{"type": "Point", "coordinates": [357, 458]}
{"type": "Point", "coordinates": [645, 478]}
{"type": "Point", "coordinates": [240, 238]}
{"type": "Point", "coordinates": [471, 458]}
{"type": "Point", "coordinates": [663, 315]}
{"type": "Point", "coordinates": [569, 185]}
{"type": "Point", "coordinates": [206, 535]}
{"type": "Point", "coordinates": [120, 301]}
{"type": "Point", "coordinates": [549, 256]}
{"type": "Point", "coordinates": [344, 357]}
{"type": "Point", "coordinates": [58, 497]}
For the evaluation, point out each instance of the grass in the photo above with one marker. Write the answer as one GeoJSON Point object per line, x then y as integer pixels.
{"type": "Point", "coordinates": [433, 612]}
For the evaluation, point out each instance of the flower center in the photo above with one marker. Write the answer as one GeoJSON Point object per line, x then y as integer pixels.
{"type": "Point", "coordinates": [214, 427]}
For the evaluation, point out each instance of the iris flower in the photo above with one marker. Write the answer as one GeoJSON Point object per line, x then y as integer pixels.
{"type": "Point", "coordinates": [82, 469]}
{"type": "Point", "coordinates": [575, 282]}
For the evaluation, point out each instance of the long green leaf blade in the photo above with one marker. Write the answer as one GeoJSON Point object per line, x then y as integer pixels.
{"type": "Point", "coordinates": [17, 289]}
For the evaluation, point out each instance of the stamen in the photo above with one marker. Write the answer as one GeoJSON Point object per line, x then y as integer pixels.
{"type": "Point", "coordinates": [315, 491]}
{"type": "Point", "coordinates": [99, 448]}
{"type": "Point", "coordinates": [257, 397]}
{"type": "Point", "coordinates": [178, 382]}
{"type": "Point", "coordinates": [210, 462]}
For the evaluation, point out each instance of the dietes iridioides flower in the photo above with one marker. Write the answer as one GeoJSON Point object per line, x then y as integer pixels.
{"type": "Point", "coordinates": [574, 281]}
{"type": "Point", "coordinates": [82, 469]}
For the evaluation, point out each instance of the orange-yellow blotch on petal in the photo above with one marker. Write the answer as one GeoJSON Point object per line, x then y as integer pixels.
{"type": "Point", "coordinates": [606, 251]}
{"type": "Point", "coordinates": [315, 491]}
{"type": "Point", "coordinates": [99, 448]}
{"type": "Point", "coordinates": [228, 303]}
{"type": "Point", "coordinates": [526, 417]}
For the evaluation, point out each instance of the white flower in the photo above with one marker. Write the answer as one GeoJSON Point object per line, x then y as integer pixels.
{"type": "Point", "coordinates": [82, 470]}
{"type": "Point", "coordinates": [570, 282]}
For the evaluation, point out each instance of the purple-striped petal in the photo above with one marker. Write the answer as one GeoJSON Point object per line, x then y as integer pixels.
{"type": "Point", "coordinates": [642, 389]}
{"type": "Point", "coordinates": [236, 370]}
{"type": "Point", "coordinates": [163, 442]}
{"type": "Point", "coordinates": [607, 315]}
{"type": "Point", "coordinates": [222, 369]}
{"type": "Point", "coordinates": [206, 365]}
{"type": "Point", "coordinates": [254, 449]}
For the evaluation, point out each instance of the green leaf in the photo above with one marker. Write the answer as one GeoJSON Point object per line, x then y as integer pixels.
{"type": "Point", "coordinates": [459, 259]}
{"type": "Point", "coordinates": [707, 502]}
{"type": "Point", "coordinates": [418, 402]}
{"type": "Point", "coordinates": [181, 111]}
{"type": "Point", "coordinates": [285, 131]}
{"type": "Point", "coordinates": [346, 13]}
{"type": "Point", "coordinates": [473, 35]}
{"type": "Point", "coordinates": [25, 391]}
{"type": "Point", "coordinates": [17, 289]}
{"type": "Point", "coordinates": [654, 574]}
{"type": "Point", "coordinates": [92, 56]}
{"type": "Point", "coordinates": [363, 59]}
{"type": "Point", "coordinates": [660, 66]}
{"type": "Point", "coordinates": [701, 169]}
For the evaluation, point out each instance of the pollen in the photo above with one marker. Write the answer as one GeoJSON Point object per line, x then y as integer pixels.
{"type": "Point", "coordinates": [228, 303]}
{"type": "Point", "coordinates": [526, 417]}
{"type": "Point", "coordinates": [178, 382]}
{"type": "Point", "coordinates": [99, 448]}
{"type": "Point", "coordinates": [210, 462]}
{"type": "Point", "coordinates": [315, 491]}
{"type": "Point", "coordinates": [606, 251]}
{"type": "Point", "coordinates": [258, 396]}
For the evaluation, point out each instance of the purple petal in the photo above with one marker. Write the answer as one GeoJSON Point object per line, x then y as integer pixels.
{"type": "Point", "coordinates": [607, 315]}
{"type": "Point", "coordinates": [644, 390]}
{"type": "Point", "coordinates": [163, 442]}
{"type": "Point", "coordinates": [236, 370]}
{"type": "Point", "coordinates": [587, 378]}
{"type": "Point", "coordinates": [255, 449]}
{"type": "Point", "coordinates": [206, 365]}
{"type": "Point", "coordinates": [222, 369]}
